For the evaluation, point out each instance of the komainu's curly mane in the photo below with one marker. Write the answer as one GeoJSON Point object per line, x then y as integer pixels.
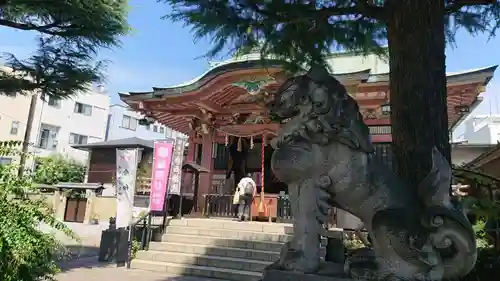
{"type": "Point", "coordinates": [322, 110]}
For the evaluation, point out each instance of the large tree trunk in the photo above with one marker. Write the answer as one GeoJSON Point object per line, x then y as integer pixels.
{"type": "Point", "coordinates": [417, 85]}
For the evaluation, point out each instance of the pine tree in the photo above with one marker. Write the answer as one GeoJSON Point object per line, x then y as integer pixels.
{"type": "Point", "coordinates": [70, 34]}
{"type": "Point", "coordinates": [303, 32]}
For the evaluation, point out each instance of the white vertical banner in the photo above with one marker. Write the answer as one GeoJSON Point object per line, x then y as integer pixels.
{"type": "Point", "coordinates": [174, 185]}
{"type": "Point", "coordinates": [126, 174]}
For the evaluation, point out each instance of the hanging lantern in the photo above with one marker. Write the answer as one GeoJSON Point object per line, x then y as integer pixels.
{"type": "Point", "coordinates": [226, 140]}
{"type": "Point", "coordinates": [251, 142]}
{"type": "Point", "coordinates": [239, 145]}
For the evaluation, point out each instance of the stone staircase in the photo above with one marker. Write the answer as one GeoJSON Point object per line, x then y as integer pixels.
{"type": "Point", "coordinates": [215, 248]}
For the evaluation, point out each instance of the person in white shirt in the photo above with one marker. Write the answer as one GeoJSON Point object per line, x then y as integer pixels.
{"type": "Point", "coordinates": [246, 190]}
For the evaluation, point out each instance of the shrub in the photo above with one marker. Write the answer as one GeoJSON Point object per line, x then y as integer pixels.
{"type": "Point", "coordinates": [55, 169]}
{"type": "Point", "coordinates": [26, 252]}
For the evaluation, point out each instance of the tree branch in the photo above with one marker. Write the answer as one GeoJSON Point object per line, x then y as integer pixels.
{"type": "Point", "coordinates": [371, 10]}
{"type": "Point", "coordinates": [362, 8]}
{"type": "Point", "coordinates": [459, 4]}
{"type": "Point", "coordinates": [46, 29]}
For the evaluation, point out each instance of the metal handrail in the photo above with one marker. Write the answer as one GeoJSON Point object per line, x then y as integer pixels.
{"type": "Point", "coordinates": [145, 236]}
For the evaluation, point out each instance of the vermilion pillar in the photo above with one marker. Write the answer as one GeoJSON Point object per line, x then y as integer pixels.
{"type": "Point", "coordinates": [206, 162]}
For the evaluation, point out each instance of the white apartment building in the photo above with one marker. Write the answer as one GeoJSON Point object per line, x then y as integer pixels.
{"type": "Point", "coordinates": [61, 123]}
{"type": "Point", "coordinates": [13, 116]}
{"type": "Point", "coordinates": [123, 122]}
{"type": "Point", "coordinates": [481, 133]}
{"type": "Point", "coordinates": [57, 125]}
{"type": "Point", "coordinates": [482, 129]}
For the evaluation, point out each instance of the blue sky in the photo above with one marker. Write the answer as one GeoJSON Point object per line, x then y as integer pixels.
{"type": "Point", "coordinates": [161, 53]}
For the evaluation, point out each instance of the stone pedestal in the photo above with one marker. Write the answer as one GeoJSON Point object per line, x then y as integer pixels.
{"type": "Point", "coordinates": [329, 272]}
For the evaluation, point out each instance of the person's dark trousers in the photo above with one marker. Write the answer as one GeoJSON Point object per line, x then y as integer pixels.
{"type": "Point", "coordinates": [235, 210]}
{"type": "Point", "coordinates": [244, 207]}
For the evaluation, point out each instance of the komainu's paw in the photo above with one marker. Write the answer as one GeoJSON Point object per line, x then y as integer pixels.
{"type": "Point", "coordinates": [361, 264]}
{"type": "Point", "coordinates": [363, 271]}
{"type": "Point", "coordinates": [294, 260]}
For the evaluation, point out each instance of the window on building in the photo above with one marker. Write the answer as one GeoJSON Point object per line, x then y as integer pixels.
{"type": "Point", "coordinates": [169, 133]}
{"type": "Point", "coordinates": [14, 128]}
{"type": "Point", "coordinates": [77, 139]}
{"type": "Point", "coordinates": [84, 109]}
{"type": "Point", "coordinates": [162, 130]}
{"type": "Point", "coordinates": [155, 128]}
{"type": "Point", "coordinates": [5, 161]}
{"type": "Point", "coordinates": [54, 102]}
{"type": "Point", "coordinates": [129, 122]}
{"type": "Point", "coordinates": [44, 138]}
{"type": "Point", "coordinates": [48, 137]}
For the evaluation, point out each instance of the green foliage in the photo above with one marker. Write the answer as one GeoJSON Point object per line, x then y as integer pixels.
{"type": "Point", "coordinates": [487, 266]}
{"type": "Point", "coordinates": [481, 235]}
{"type": "Point", "coordinates": [486, 209]}
{"type": "Point", "coordinates": [57, 69]}
{"type": "Point", "coordinates": [303, 32]}
{"type": "Point", "coordinates": [353, 243]}
{"type": "Point", "coordinates": [71, 33]}
{"type": "Point", "coordinates": [26, 252]}
{"type": "Point", "coordinates": [136, 245]}
{"type": "Point", "coordinates": [55, 169]}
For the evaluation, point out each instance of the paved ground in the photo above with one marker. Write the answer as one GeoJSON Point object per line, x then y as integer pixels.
{"type": "Point", "coordinates": [84, 266]}
{"type": "Point", "coordinates": [90, 237]}
{"type": "Point", "coordinates": [87, 269]}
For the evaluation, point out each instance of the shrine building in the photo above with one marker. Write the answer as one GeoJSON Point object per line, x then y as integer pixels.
{"type": "Point", "coordinates": [222, 111]}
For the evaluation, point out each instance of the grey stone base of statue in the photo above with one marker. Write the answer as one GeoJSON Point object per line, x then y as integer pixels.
{"type": "Point", "coordinates": [325, 156]}
{"type": "Point", "coordinates": [328, 271]}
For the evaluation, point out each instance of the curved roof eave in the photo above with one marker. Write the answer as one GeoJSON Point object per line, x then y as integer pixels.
{"type": "Point", "coordinates": [488, 70]}
{"type": "Point", "coordinates": [211, 74]}
{"type": "Point", "coordinates": [227, 67]}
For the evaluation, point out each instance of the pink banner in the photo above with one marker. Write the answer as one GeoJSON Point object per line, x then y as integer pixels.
{"type": "Point", "coordinates": [162, 158]}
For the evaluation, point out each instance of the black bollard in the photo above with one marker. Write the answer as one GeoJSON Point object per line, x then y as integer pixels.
{"type": "Point", "coordinates": [335, 247]}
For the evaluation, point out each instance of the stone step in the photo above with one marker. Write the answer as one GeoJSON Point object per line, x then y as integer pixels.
{"type": "Point", "coordinates": [229, 233]}
{"type": "Point", "coordinates": [215, 242]}
{"type": "Point", "coordinates": [204, 260]}
{"type": "Point", "coordinates": [196, 270]}
{"type": "Point", "coordinates": [266, 227]}
{"type": "Point", "coordinates": [250, 254]}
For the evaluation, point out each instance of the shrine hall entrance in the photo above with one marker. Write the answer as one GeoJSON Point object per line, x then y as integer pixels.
{"type": "Point", "coordinates": [242, 156]}
{"type": "Point", "coordinates": [254, 165]}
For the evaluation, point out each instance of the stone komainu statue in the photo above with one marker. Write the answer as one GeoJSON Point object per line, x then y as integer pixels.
{"type": "Point", "coordinates": [325, 155]}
